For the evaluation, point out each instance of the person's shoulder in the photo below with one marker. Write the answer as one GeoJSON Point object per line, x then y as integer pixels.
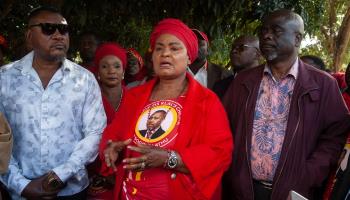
{"type": "Point", "coordinates": [77, 69]}
{"type": "Point", "coordinates": [317, 74]}
{"type": "Point", "coordinates": [252, 73]}
{"type": "Point", "coordinates": [8, 68]}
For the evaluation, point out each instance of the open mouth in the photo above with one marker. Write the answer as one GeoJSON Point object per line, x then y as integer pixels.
{"type": "Point", "coordinates": [165, 64]}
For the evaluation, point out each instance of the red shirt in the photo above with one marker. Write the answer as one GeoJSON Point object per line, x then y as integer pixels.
{"type": "Point", "coordinates": [153, 183]}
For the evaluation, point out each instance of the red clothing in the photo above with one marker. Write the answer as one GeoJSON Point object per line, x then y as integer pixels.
{"type": "Point", "coordinates": [152, 183]}
{"type": "Point", "coordinates": [96, 189]}
{"type": "Point", "coordinates": [109, 110]}
{"type": "Point", "coordinates": [340, 77]}
{"type": "Point", "coordinates": [346, 97]}
{"type": "Point", "coordinates": [204, 141]}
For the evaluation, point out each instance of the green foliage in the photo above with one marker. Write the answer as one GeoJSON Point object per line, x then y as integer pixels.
{"type": "Point", "coordinates": [130, 22]}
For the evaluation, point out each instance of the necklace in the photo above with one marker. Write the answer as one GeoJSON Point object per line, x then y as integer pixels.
{"type": "Point", "coordinates": [120, 100]}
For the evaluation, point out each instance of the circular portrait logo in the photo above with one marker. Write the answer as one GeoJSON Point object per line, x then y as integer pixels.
{"type": "Point", "coordinates": [157, 123]}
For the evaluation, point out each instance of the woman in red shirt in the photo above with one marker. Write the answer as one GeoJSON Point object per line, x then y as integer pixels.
{"type": "Point", "coordinates": [110, 60]}
{"type": "Point", "coordinates": [171, 138]}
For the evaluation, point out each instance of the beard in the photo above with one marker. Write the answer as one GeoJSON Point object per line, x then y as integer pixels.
{"type": "Point", "coordinates": [270, 56]}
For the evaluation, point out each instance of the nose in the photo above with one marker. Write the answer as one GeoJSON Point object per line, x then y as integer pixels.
{"type": "Point", "coordinates": [165, 52]}
{"type": "Point", "coordinates": [266, 34]}
{"type": "Point", "coordinates": [57, 35]}
{"type": "Point", "coordinates": [111, 69]}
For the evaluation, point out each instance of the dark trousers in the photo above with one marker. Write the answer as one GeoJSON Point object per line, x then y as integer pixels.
{"type": "Point", "coordinates": [261, 191]}
{"type": "Point", "coordinates": [79, 196]}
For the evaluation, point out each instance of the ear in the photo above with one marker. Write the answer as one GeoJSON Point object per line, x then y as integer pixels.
{"type": "Point", "coordinates": [298, 39]}
{"type": "Point", "coordinates": [28, 37]}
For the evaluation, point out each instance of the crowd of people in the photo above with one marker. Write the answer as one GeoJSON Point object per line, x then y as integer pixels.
{"type": "Point", "coordinates": [171, 124]}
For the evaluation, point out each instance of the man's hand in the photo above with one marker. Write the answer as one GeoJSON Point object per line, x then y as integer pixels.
{"type": "Point", "coordinates": [35, 191]}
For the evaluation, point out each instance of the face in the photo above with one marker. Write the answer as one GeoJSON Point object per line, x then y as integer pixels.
{"type": "Point", "coordinates": [133, 65]}
{"type": "Point", "coordinates": [110, 71]}
{"type": "Point", "coordinates": [278, 38]}
{"type": "Point", "coordinates": [51, 47]}
{"type": "Point", "coordinates": [202, 50]}
{"type": "Point", "coordinates": [170, 58]}
{"type": "Point", "coordinates": [87, 47]}
{"type": "Point", "coordinates": [243, 54]}
{"type": "Point", "coordinates": [155, 120]}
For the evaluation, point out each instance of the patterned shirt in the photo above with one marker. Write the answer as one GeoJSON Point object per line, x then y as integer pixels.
{"type": "Point", "coordinates": [270, 122]}
{"type": "Point", "coordinates": [57, 128]}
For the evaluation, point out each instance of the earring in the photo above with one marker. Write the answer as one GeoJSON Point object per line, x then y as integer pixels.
{"type": "Point", "coordinates": [98, 77]}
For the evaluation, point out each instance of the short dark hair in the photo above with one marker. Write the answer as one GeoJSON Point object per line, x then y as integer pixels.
{"type": "Point", "coordinates": [92, 33]}
{"type": "Point", "coordinates": [317, 60]}
{"type": "Point", "coordinates": [46, 8]}
{"type": "Point", "coordinates": [163, 112]}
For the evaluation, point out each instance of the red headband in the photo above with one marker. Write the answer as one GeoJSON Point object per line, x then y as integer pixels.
{"type": "Point", "coordinates": [137, 55]}
{"type": "Point", "coordinates": [110, 49]}
{"type": "Point", "coordinates": [3, 42]}
{"type": "Point", "coordinates": [181, 31]}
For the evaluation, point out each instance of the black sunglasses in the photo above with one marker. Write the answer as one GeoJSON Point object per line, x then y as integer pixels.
{"type": "Point", "coordinates": [49, 29]}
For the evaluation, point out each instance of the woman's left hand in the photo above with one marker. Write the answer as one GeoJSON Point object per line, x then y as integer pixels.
{"type": "Point", "coordinates": [150, 157]}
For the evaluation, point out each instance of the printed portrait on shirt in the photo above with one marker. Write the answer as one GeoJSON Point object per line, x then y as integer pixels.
{"type": "Point", "coordinates": [157, 124]}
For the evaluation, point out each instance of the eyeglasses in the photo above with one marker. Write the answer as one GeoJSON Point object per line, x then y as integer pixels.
{"type": "Point", "coordinates": [242, 47]}
{"type": "Point", "coordinates": [49, 29]}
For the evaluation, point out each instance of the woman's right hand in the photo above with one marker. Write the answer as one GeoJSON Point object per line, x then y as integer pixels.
{"type": "Point", "coordinates": [111, 153]}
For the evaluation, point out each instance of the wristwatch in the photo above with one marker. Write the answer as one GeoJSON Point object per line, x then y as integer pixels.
{"type": "Point", "coordinates": [172, 160]}
{"type": "Point", "coordinates": [53, 182]}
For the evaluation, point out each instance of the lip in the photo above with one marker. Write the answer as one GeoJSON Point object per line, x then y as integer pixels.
{"type": "Point", "coordinates": [267, 46]}
{"type": "Point", "coordinates": [111, 78]}
{"type": "Point", "coordinates": [164, 64]}
{"type": "Point", "coordinates": [58, 46]}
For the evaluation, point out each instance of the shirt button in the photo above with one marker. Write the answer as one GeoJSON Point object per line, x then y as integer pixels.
{"type": "Point", "coordinates": [173, 176]}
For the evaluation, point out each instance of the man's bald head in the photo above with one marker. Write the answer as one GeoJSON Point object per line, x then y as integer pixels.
{"type": "Point", "coordinates": [280, 36]}
{"type": "Point", "coordinates": [290, 17]}
{"type": "Point", "coordinates": [245, 53]}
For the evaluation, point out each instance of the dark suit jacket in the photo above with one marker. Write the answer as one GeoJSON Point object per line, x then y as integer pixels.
{"type": "Point", "coordinates": [221, 86]}
{"type": "Point", "coordinates": [216, 73]}
{"type": "Point", "coordinates": [158, 133]}
{"type": "Point", "coordinates": [317, 127]}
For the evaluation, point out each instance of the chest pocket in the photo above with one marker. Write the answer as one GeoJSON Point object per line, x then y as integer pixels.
{"type": "Point", "coordinates": [314, 95]}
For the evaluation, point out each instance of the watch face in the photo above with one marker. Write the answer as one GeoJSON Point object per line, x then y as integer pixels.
{"type": "Point", "coordinates": [172, 162]}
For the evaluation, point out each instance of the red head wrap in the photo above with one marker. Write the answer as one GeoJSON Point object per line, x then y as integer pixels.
{"type": "Point", "coordinates": [137, 56]}
{"type": "Point", "coordinates": [201, 35]}
{"type": "Point", "coordinates": [110, 49]}
{"type": "Point", "coordinates": [181, 31]}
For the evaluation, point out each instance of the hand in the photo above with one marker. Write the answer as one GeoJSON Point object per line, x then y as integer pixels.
{"type": "Point", "coordinates": [111, 153]}
{"type": "Point", "coordinates": [35, 190]}
{"type": "Point", "coordinates": [150, 157]}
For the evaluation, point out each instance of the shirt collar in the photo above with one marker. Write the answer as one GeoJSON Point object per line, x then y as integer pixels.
{"type": "Point", "coordinates": [293, 71]}
{"type": "Point", "coordinates": [204, 67]}
{"type": "Point", "coordinates": [26, 64]}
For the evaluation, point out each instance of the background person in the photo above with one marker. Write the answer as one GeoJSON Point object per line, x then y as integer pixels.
{"type": "Point", "coordinates": [110, 59]}
{"type": "Point", "coordinates": [245, 54]}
